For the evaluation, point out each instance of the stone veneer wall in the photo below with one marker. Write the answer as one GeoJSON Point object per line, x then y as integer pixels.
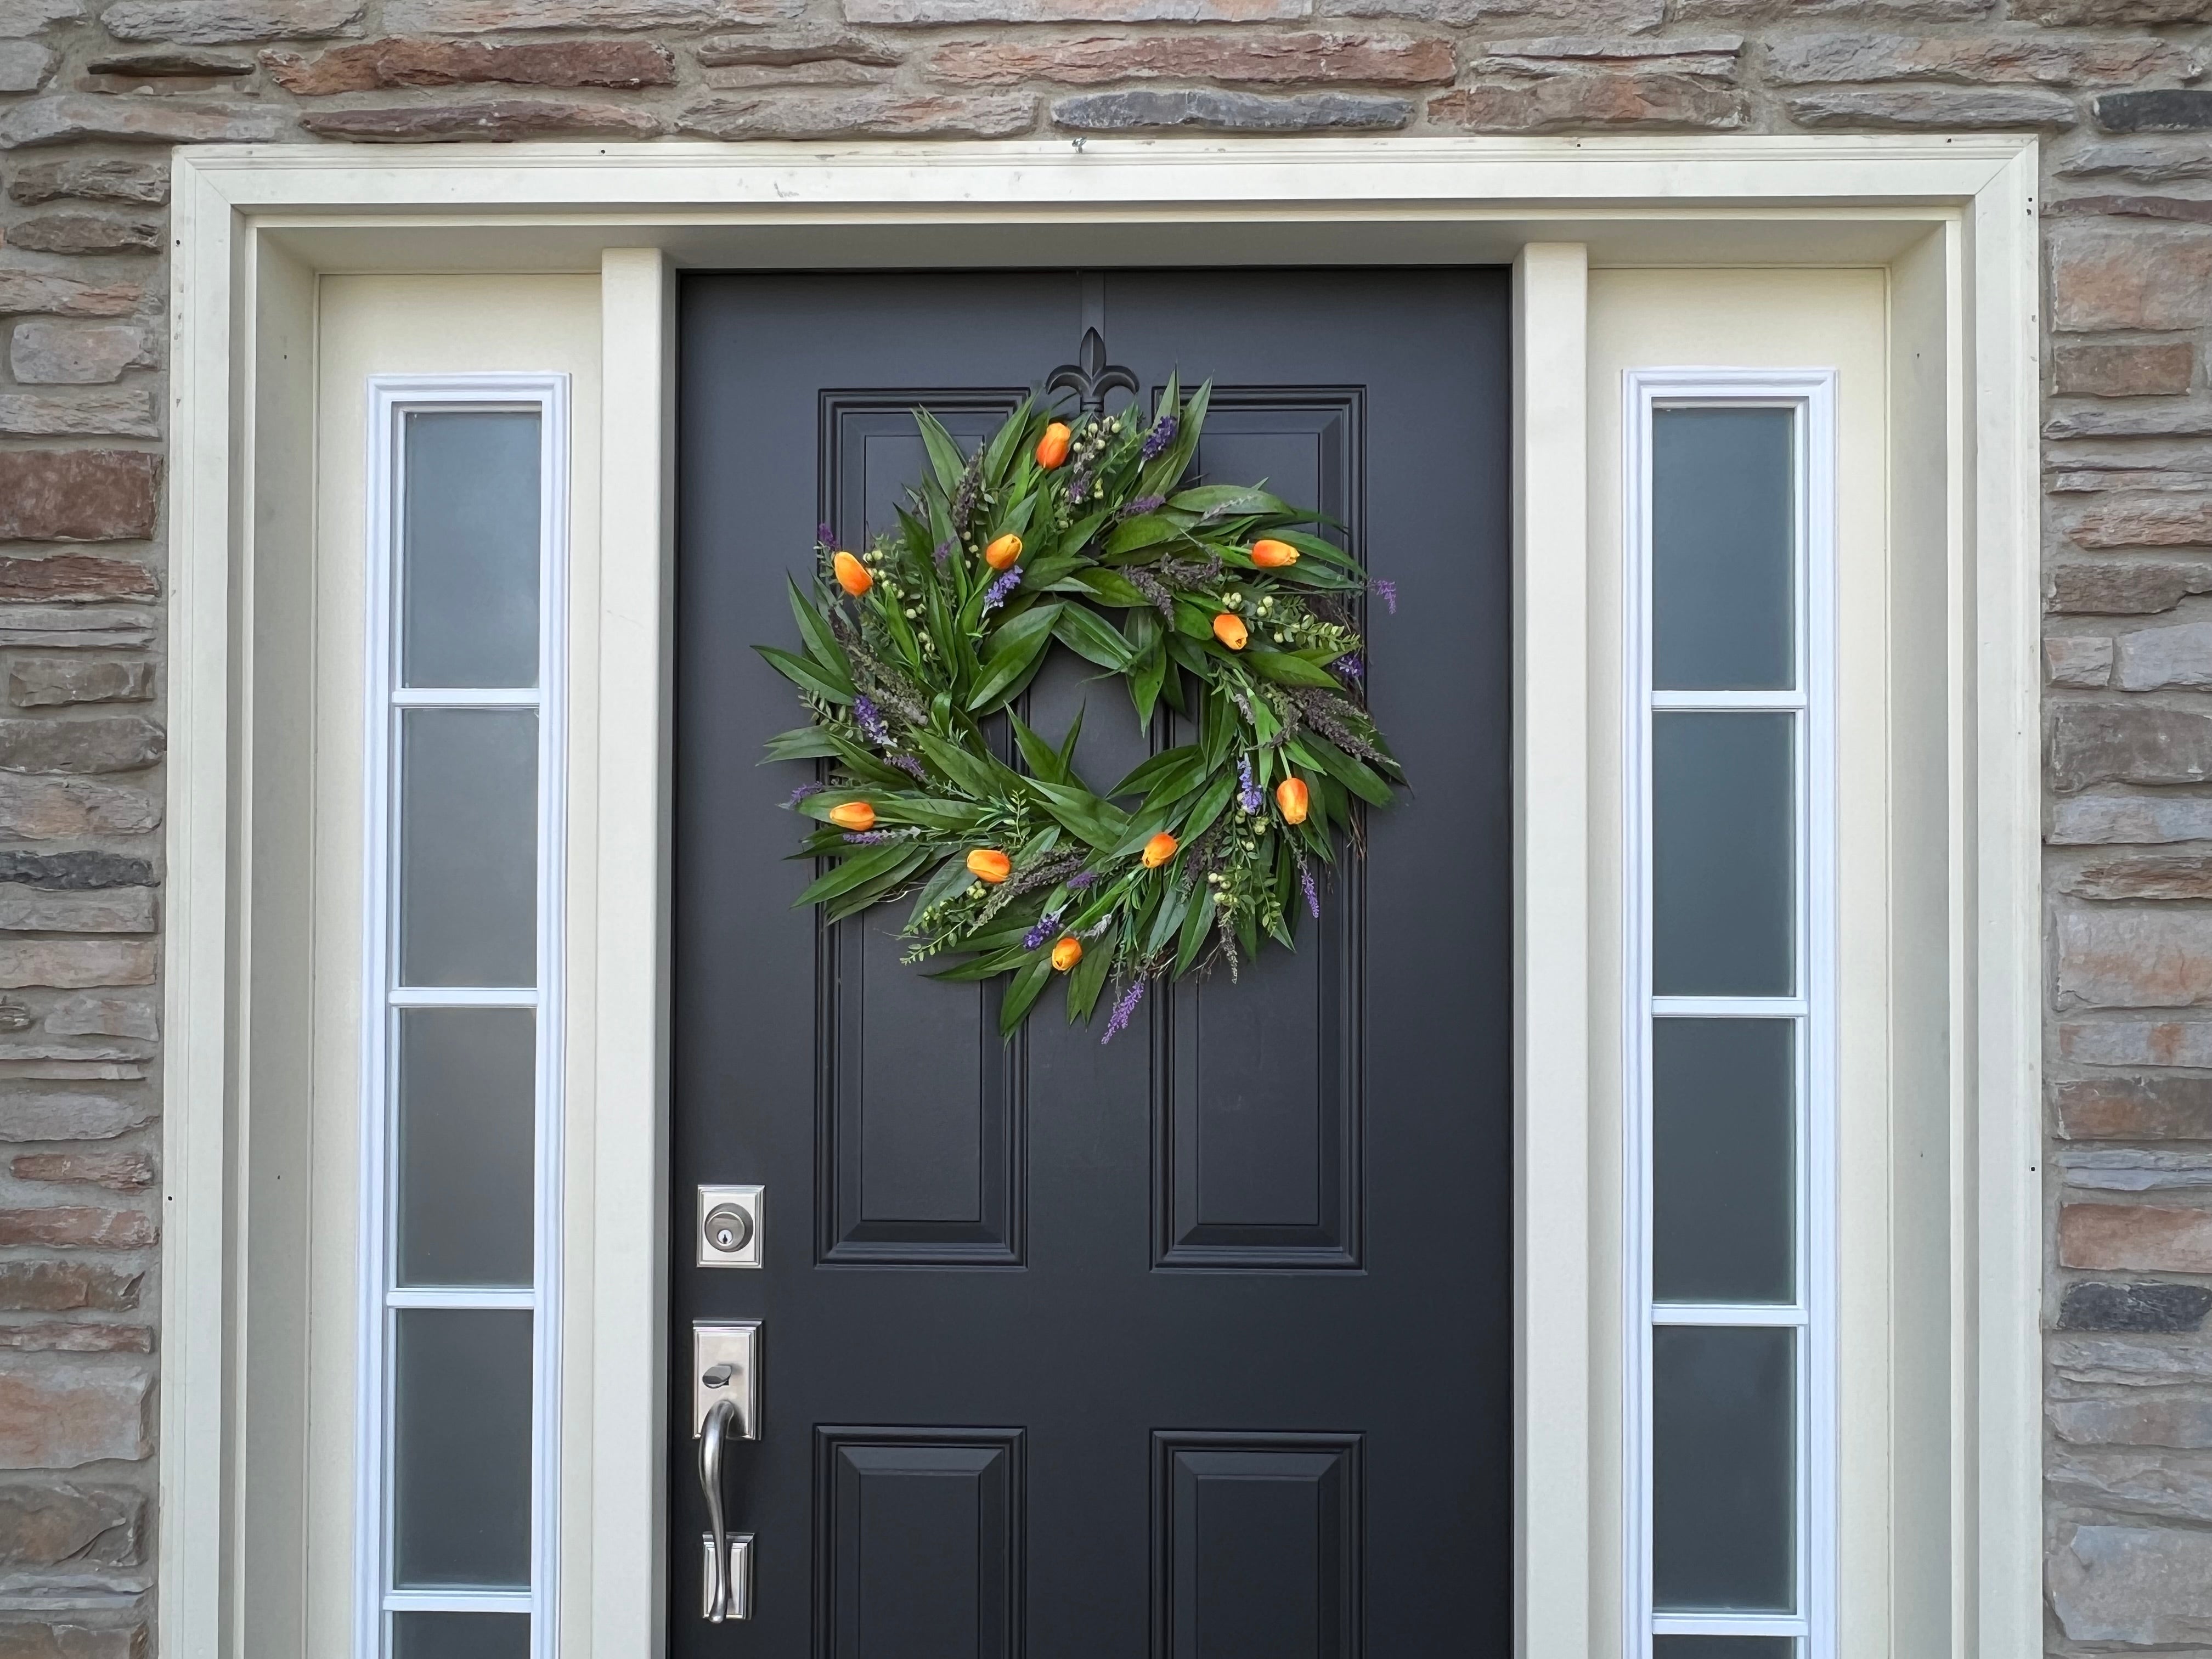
{"type": "Point", "coordinates": [91, 92]}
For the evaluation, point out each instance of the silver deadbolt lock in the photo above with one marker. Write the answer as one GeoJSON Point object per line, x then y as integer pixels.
{"type": "Point", "coordinates": [729, 1226]}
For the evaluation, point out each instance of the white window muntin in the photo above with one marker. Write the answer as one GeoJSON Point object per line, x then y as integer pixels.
{"type": "Point", "coordinates": [392, 399]}
{"type": "Point", "coordinates": [1810, 395]}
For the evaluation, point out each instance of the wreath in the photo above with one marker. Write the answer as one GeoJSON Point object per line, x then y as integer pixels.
{"type": "Point", "coordinates": [1216, 599]}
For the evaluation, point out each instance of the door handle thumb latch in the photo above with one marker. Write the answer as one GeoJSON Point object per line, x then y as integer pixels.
{"type": "Point", "coordinates": [726, 1402]}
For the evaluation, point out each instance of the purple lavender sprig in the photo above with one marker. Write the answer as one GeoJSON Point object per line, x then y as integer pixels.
{"type": "Point", "coordinates": [1385, 590]}
{"type": "Point", "coordinates": [1081, 879]}
{"type": "Point", "coordinates": [996, 594]}
{"type": "Point", "coordinates": [1142, 505]}
{"type": "Point", "coordinates": [911, 767]}
{"type": "Point", "coordinates": [871, 837]}
{"type": "Point", "coordinates": [803, 792]}
{"type": "Point", "coordinates": [1351, 668]}
{"type": "Point", "coordinates": [826, 534]}
{"type": "Point", "coordinates": [872, 721]}
{"type": "Point", "coordinates": [1047, 926]}
{"type": "Point", "coordinates": [1162, 434]}
{"type": "Point", "coordinates": [1247, 792]}
{"type": "Point", "coordinates": [1306, 885]}
{"type": "Point", "coordinates": [1119, 1020]}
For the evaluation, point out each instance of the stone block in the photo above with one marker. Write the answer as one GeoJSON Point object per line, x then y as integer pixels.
{"type": "Point", "coordinates": [85, 232]}
{"type": "Point", "coordinates": [74, 353]}
{"type": "Point", "coordinates": [2081, 662]}
{"type": "Point", "coordinates": [2134, 1169]}
{"type": "Point", "coordinates": [2133, 587]}
{"type": "Point", "coordinates": [75, 872]}
{"type": "Point", "coordinates": [2154, 420]}
{"type": "Point", "coordinates": [89, 1015]}
{"type": "Point", "coordinates": [50, 682]}
{"type": "Point", "coordinates": [2107, 820]}
{"type": "Point", "coordinates": [75, 626]}
{"type": "Point", "coordinates": [105, 178]}
{"type": "Point", "coordinates": [26, 17]}
{"type": "Point", "coordinates": [1203, 110]}
{"type": "Point", "coordinates": [24, 292]}
{"type": "Point", "coordinates": [1976, 59]}
{"type": "Point", "coordinates": [2091, 743]}
{"type": "Point", "coordinates": [1570, 97]}
{"type": "Point", "coordinates": [2185, 1043]}
{"type": "Point", "coordinates": [61, 1525]}
{"type": "Point", "coordinates": [110, 910]}
{"type": "Point", "coordinates": [2137, 1238]}
{"type": "Point", "coordinates": [58, 1637]}
{"type": "Point", "coordinates": [128, 414]}
{"type": "Point", "coordinates": [2143, 277]}
{"type": "Point", "coordinates": [866, 112]}
{"type": "Point", "coordinates": [77, 495]}
{"type": "Point", "coordinates": [74, 578]}
{"type": "Point", "coordinates": [2161, 109]}
{"type": "Point", "coordinates": [500, 120]}
{"type": "Point", "coordinates": [2159, 876]}
{"type": "Point", "coordinates": [410, 63]}
{"type": "Point", "coordinates": [107, 743]}
{"type": "Point", "coordinates": [2149, 1307]}
{"type": "Point", "coordinates": [68, 1287]}
{"type": "Point", "coordinates": [2181, 1421]}
{"type": "Point", "coordinates": [118, 1169]}
{"type": "Point", "coordinates": [218, 23]}
{"type": "Point", "coordinates": [77, 1227]}
{"type": "Point", "coordinates": [1910, 13]}
{"type": "Point", "coordinates": [1916, 107]}
{"type": "Point", "coordinates": [2144, 163]}
{"type": "Point", "coordinates": [155, 69]}
{"type": "Point", "coordinates": [58, 809]}
{"type": "Point", "coordinates": [2183, 210]}
{"type": "Point", "coordinates": [2150, 1483]}
{"type": "Point", "coordinates": [2141, 1585]}
{"type": "Point", "coordinates": [2134, 959]}
{"type": "Point", "coordinates": [2149, 1108]}
{"type": "Point", "coordinates": [74, 1414]}
{"type": "Point", "coordinates": [784, 48]}
{"type": "Point", "coordinates": [71, 1116]}
{"type": "Point", "coordinates": [70, 1336]}
{"type": "Point", "coordinates": [816, 72]}
{"type": "Point", "coordinates": [1596, 15]}
{"type": "Point", "coordinates": [75, 965]}
{"type": "Point", "coordinates": [2154, 658]}
{"type": "Point", "coordinates": [24, 67]}
{"type": "Point", "coordinates": [2146, 521]}
{"type": "Point", "coordinates": [1074, 11]}
{"type": "Point", "coordinates": [1396, 59]}
{"type": "Point", "coordinates": [482, 16]}
{"type": "Point", "coordinates": [2159, 368]}
{"type": "Point", "coordinates": [69, 116]}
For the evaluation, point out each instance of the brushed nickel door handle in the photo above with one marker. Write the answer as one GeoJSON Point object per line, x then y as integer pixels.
{"type": "Point", "coordinates": [729, 1560]}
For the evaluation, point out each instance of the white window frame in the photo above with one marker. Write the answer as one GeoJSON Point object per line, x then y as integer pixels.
{"type": "Point", "coordinates": [392, 397]}
{"type": "Point", "coordinates": [1811, 395]}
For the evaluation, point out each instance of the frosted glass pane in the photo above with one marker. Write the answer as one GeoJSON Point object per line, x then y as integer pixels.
{"type": "Point", "coordinates": [468, 847]}
{"type": "Point", "coordinates": [1723, 855]}
{"type": "Point", "coordinates": [1723, 1468]}
{"type": "Point", "coordinates": [469, 544]}
{"type": "Point", "coordinates": [1723, 1175]}
{"type": "Point", "coordinates": [1724, 1647]}
{"type": "Point", "coordinates": [1723, 548]}
{"type": "Point", "coordinates": [467, 1142]}
{"type": "Point", "coordinates": [460, 1510]}
{"type": "Point", "coordinates": [460, 1636]}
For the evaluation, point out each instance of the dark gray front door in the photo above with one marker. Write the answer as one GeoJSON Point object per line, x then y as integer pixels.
{"type": "Point", "coordinates": [1197, 1345]}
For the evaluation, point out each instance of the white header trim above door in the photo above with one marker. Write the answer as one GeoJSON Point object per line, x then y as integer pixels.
{"type": "Point", "coordinates": [253, 226]}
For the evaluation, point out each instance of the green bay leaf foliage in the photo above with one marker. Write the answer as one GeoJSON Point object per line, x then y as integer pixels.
{"type": "Point", "coordinates": [1132, 564]}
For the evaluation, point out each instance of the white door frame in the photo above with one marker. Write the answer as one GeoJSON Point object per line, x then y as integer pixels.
{"type": "Point", "coordinates": [1953, 218]}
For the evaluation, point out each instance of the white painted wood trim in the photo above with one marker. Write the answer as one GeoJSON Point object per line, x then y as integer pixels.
{"type": "Point", "coordinates": [547, 207]}
{"type": "Point", "coordinates": [1551, 928]}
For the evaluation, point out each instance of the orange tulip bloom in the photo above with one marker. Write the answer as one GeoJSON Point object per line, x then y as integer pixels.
{"type": "Point", "coordinates": [852, 815]}
{"type": "Point", "coordinates": [1272, 555]}
{"type": "Point", "coordinates": [1001, 553]}
{"type": "Point", "coordinates": [1052, 448]}
{"type": "Point", "coordinates": [1290, 795]}
{"type": "Point", "coordinates": [1158, 850]}
{"type": "Point", "coordinates": [989, 864]}
{"type": "Point", "coordinates": [851, 576]}
{"type": "Point", "coordinates": [1229, 628]}
{"type": "Point", "coordinates": [1067, 953]}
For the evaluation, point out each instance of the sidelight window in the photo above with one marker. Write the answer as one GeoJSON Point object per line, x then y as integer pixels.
{"type": "Point", "coordinates": [1730, 1016]}
{"type": "Point", "coordinates": [460, 1150]}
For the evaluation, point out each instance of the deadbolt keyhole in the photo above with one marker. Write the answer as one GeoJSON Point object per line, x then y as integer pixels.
{"type": "Point", "coordinates": [729, 1229]}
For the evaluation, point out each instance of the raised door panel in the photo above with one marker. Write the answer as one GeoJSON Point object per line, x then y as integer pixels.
{"type": "Point", "coordinates": [921, 1104]}
{"type": "Point", "coordinates": [1258, 1079]}
{"type": "Point", "coordinates": [920, 1543]}
{"type": "Point", "coordinates": [1256, 1546]}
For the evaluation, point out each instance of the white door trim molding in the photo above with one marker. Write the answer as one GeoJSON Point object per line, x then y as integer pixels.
{"type": "Point", "coordinates": [254, 225]}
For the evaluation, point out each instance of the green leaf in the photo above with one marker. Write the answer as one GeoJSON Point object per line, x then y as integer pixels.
{"type": "Point", "coordinates": [944, 457]}
{"type": "Point", "coordinates": [1022, 994]}
{"type": "Point", "coordinates": [1287, 668]}
{"type": "Point", "coordinates": [1145, 529]}
{"type": "Point", "coordinates": [976, 775]}
{"type": "Point", "coordinates": [1209, 807]}
{"type": "Point", "coordinates": [1068, 747]}
{"type": "Point", "coordinates": [1355, 774]}
{"type": "Point", "coordinates": [1098, 822]}
{"type": "Point", "coordinates": [1197, 922]}
{"type": "Point", "coordinates": [1168, 763]}
{"type": "Point", "coordinates": [1173, 903]}
{"type": "Point", "coordinates": [1088, 977]}
{"type": "Point", "coordinates": [864, 866]}
{"type": "Point", "coordinates": [801, 742]}
{"type": "Point", "coordinates": [1145, 678]}
{"type": "Point", "coordinates": [1110, 588]}
{"type": "Point", "coordinates": [805, 674]}
{"type": "Point", "coordinates": [1006, 441]}
{"type": "Point", "coordinates": [1085, 634]}
{"type": "Point", "coordinates": [821, 644]}
{"type": "Point", "coordinates": [1226, 501]}
{"type": "Point", "coordinates": [948, 879]}
{"type": "Point", "coordinates": [877, 887]}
